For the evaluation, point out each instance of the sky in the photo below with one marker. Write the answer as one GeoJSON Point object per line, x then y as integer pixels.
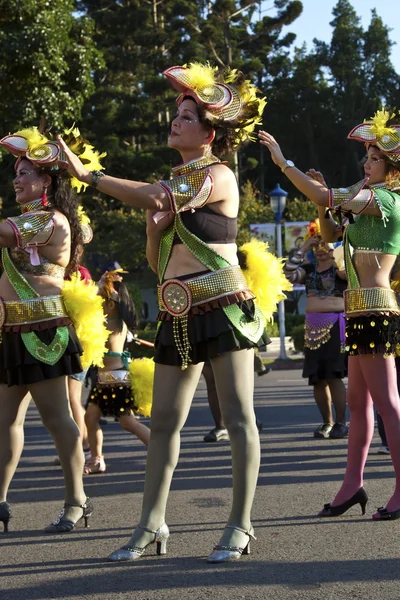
{"type": "Point", "coordinates": [317, 14]}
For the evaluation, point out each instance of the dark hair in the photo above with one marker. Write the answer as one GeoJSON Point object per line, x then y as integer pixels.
{"type": "Point", "coordinates": [126, 307]}
{"type": "Point", "coordinates": [392, 168]}
{"type": "Point", "coordinates": [225, 139]}
{"type": "Point", "coordinates": [64, 199]}
{"type": "Point", "coordinates": [225, 136]}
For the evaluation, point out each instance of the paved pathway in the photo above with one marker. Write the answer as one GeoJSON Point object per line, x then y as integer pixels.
{"type": "Point", "coordinates": [296, 556]}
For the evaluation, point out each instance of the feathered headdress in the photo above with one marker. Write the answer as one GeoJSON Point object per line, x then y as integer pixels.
{"type": "Point", "coordinates": [375, 131]}
{"type": "Point", "coordinates": [313, 229]}
{"type": "Point", "coordinates": [47, 153]}
{"type": "Point", "coordinates": [106, 284]}
{"type": "Point", "coordinates": [228, 97]}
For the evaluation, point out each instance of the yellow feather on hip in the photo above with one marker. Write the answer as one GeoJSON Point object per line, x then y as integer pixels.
{"type": "Point", "coordinates": [141, 371]}
{"type": "Point", "coordinates": [265, 277]}
{"type": "Point", "coordinates": [85, 308]}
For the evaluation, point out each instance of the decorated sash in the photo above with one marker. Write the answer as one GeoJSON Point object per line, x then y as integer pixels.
{"type": "Point", "coordinates": [46, 353]}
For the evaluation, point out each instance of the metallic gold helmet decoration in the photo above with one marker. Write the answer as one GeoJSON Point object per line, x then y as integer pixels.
{"type": "Point", "coordinates": [228, 99]}
{"type": "Point", "coordinates": [45, 153]}
{"type": "Point", "coordinates": [375, 132]}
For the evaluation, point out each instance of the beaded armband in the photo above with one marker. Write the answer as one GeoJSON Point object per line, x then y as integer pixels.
{"type": "Point", "coordinates": [33, 228]}
{"type": "Point", "coordinates": [189, 191]}
{"type": "Point", "coordinates": [353, 199]}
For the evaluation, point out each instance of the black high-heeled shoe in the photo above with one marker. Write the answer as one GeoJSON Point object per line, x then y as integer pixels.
{"type": "Point", "coordinates": [384, 514]}
{"type": "Point", "coordinates": [63, 525]}
{"type": "Point", "coordinates": [360, 497]}
{"type": "Point", "coordinates": [5, 514]}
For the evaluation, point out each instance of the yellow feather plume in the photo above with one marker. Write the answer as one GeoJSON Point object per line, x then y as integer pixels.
{"type": "Point", "coordinates": [82, 216]}
{"type": "Point", "coordinates": [85, 308]}
{"type": "Point", "coordinates": [264, 274]}
{"type": "Point", "coordinates": [379, 120]}
{"type": "Point", "coordinates": [85, 151]}
{"type": "Point", "coordinates": [33, 137]}
{"type": "Point", "coordinates": [141, 371]}
{"type": "Point", "coordinates": [201, 76]}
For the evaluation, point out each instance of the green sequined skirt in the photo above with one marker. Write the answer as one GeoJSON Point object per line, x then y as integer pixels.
{"type": "Point", "coordinates": [19, 367]}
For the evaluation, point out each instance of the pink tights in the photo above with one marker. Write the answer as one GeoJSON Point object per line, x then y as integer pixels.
{"type": "Point", "coordinates": [372, 380]}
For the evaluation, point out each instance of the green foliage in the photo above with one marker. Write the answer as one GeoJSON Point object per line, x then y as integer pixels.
{"type": "Point", "coordinates": [136, 296]}
{"type": "Point", "coordinates": [297, 337]}
{"type": "Point", "coordinates": [252, 209]}
{"type": "Point", "coordinates": [47, 60]}
{"type": "Point", "coordinates": [292, 321]}
{"type": "Point", "coordinates": [300, 210]}
{"type": "Point", "coordinates": [140, 350]}
{"type": "Point", "coordinates": [119, 235]}
{"type": "Point", "coordinates": [272, 329]}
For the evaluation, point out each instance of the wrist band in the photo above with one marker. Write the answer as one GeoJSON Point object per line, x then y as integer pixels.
{"type": "Point", "coordinates": [96, 176]}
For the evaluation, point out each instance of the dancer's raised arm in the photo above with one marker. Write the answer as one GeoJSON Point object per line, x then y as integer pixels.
{"type": "Point", "coordinates": [310, 187]}
{"type": "Point", "coordinates": [138, 194]}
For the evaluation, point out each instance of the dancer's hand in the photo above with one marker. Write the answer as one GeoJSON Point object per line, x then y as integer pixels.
{"type": "Point", "coordinates": [317, 176]}
{"type": "Point", "coordinates": [312, 242]}
{"type": "Point", "coordinates": [268, 140]}
{"type": "Point", "coordinates": [75, 166]}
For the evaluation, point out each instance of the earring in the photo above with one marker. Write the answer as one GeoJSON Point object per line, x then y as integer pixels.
{"type": "Point", "coordinates": [44, 198]}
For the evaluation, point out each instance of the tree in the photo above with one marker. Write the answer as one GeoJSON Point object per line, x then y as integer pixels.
{"type": "Point", "coordinates": [47, 60]}
{"type": "Point", "coordinates": [319, 97]}
{"type": "Point", "coordinates": [129, 114]}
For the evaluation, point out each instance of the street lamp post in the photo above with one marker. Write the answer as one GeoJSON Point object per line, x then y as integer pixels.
{"type": "Point", "coordinates": [278, 203]}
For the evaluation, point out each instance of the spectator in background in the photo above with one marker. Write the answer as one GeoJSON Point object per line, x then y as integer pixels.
{"type": "Point", "coordinates": [324, 361]}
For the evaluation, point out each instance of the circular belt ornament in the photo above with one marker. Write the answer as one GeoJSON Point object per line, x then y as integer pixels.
{"type": "Point", "coordinates": [176, 297]}
{"type": "Point", "coordinates": [2, 314]}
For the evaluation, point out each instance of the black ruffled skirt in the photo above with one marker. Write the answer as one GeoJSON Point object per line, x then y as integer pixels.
{"type": "Point", "coordinates": [19, 367]}
{"type": "Point", "coordinates": [327, 361]}
{"type": "Point", "coordinates": [373, 334]}
{"type": "Point", "coordinates": [210, 334]}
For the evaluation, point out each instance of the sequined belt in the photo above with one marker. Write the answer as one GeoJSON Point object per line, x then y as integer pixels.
{"type": "Point", "coordinates": [115, 378]}
{"type": "Point", "coordinates": [378, 300]}
{"type": "Point", "coordinates": [33, 310]}
{"type": "Point", "coordinates": [177, 297]}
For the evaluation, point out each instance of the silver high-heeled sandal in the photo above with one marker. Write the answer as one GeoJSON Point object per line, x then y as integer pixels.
{"type": "Point", "coordinates": [227, 553]}
{"type": "Point", "coordinates": [134, 552]}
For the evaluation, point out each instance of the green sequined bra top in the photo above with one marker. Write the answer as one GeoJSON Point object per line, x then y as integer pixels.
{"type": "Point", "coordinates": [378, 233]}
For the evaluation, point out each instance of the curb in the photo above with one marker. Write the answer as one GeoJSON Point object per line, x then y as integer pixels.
{"type": "Point", "coordinates": [286, 365]}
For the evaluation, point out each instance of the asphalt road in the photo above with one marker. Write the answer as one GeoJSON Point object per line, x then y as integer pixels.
{"type": "Point", "coordinates": [296, 555]}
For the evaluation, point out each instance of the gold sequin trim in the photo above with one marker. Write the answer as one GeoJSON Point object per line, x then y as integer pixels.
{"type": "Point", "coordinates": [370, 299]}
{"type": "Point", "coordinates": [205, 288]}
{"type": "Point", "coordinates": [34, 310]}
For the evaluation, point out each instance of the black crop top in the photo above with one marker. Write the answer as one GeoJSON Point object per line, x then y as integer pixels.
{"type": "Point", "coordinates": [324, 283]}
{"type": "Point", "coordinates": [209, 226]}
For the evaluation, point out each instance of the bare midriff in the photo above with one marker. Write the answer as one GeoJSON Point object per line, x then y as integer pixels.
{"type": "Point", "coordinates": [324, 304]}
{"type": "Point", "coordinates": [44, 285]}
{"type": "Point", "coordinates": [183, 262]}
{"type": "Point", "coordinates": [373, 268]}
{"type": "Point", "coordinates": [115, 343]}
